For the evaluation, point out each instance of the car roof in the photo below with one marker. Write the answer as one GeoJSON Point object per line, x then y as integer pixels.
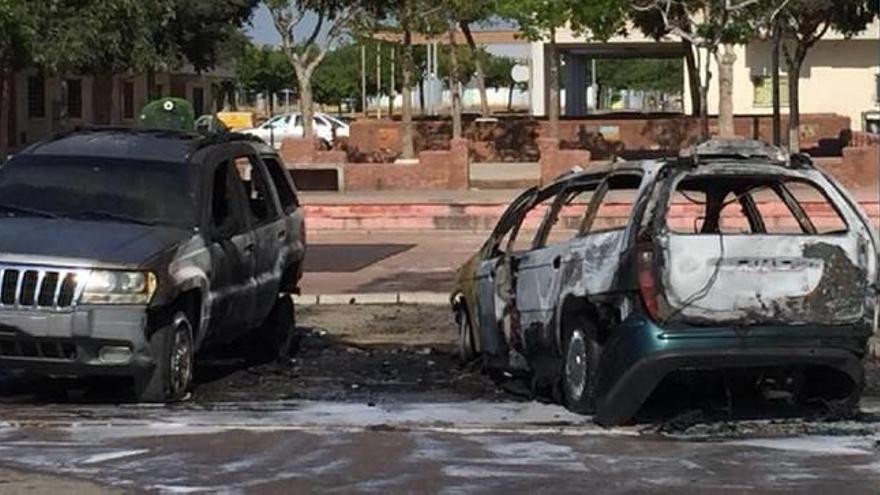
{"type": "Point", "coordinates": [709, 157]}
{"type": "Point", "coordinates": [144, 144]}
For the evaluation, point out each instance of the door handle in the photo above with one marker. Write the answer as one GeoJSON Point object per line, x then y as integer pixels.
{"type": "Point", "coordinates": [282, 234]}
{"type": "Point", "coordinates": [557, 262]}
{"type": "Point", "coordinates": [250, 248]}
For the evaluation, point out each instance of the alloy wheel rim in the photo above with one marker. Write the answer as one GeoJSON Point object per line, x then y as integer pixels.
{"type": "Point", "coordinates": [181, 361]}
{"type": "Point", "coordinates": [576, 363]}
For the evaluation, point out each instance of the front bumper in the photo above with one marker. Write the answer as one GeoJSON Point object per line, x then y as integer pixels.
{"type": "Point", "coordinates": [641, 354]}
{"type": "Point", "coordinates": [69, 343]}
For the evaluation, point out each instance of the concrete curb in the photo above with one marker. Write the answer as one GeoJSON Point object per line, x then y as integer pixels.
{"type": "Point", "coordinates": [427, 298]}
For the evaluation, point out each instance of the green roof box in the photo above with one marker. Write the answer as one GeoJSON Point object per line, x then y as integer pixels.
{"type": "Point", "coordinates": [168, 113]}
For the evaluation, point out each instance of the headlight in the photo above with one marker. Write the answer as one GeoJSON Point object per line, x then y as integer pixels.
{"type": "Point", "coordinates": [112, 287]}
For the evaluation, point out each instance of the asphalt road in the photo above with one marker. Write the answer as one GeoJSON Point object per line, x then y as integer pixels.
{"type": "Point", "coordinates": [450, 447]}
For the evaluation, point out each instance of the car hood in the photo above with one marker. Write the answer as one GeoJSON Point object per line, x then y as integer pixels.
{"type": "Point", "coordinates": [84, 243]}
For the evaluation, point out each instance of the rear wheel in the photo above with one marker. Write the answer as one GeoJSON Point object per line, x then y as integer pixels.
{"type": "Point", "coordinates": [277, 338]}
{"type": "Point", "coordinates": [172, 350]}
{"type": "Point", "coordinates": [581, 362]}
{"type": "Point", "coordinates": [466, 350]}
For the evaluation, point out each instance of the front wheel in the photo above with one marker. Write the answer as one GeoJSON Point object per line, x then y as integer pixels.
{"type": "Point", "coordinates": [466, 350]}
{"type": "Point", "coordinates": [172, 374]}
{"type": "Point", "coordinates": [580, 367]}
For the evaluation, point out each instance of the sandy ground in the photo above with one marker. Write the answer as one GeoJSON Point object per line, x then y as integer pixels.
{"type": "Point", "coordinates": [15, 482]}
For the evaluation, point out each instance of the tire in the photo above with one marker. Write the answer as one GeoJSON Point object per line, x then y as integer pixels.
{"type": "Point", "coordinates": [172, 350]}
{"type": "Point", "coordinates": [580, 367]}
{"type": "Point", "coordinates": [277, 338]}
{"type": "Point", "coordinates": [466, 349]}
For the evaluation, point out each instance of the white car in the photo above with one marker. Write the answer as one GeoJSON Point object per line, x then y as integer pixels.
{"type": "Point", "coordinates": [277, 128]}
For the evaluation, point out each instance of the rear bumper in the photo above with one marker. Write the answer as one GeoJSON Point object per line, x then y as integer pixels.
{"type": "Point", "coordinates": [70, 343]}
{"type": "Point", "coordinates": [640, 354]}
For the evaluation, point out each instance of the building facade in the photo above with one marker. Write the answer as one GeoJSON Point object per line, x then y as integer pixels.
{"type": "Point", "coordinates": [839, 76]}
{"type": "Point", "coordinates": [42, 105]}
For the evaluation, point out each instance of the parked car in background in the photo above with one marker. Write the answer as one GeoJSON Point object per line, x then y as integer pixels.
{"type": "Point", "coordinates": [125, 252]}
{"type": "Point", "coordinates": [737, 261]}
{"type": "Point", "coordinates": [327, 128]}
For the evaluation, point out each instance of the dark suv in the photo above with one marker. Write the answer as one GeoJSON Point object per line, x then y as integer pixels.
{"type": "Point", "coordinates": [738, 261]}
{"type": "Point", "coordinates": [124, 252]}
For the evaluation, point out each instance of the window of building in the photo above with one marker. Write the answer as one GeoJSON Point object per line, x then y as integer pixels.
{"type": "Point", "coordinates": [127, 100]}
{"type": "Point", "coordinates": [36, 97]}
{"type": "Point", "coordinates": [74, 98]}
{"type": "Point", "coordinates": [763, 90]}
{"type": "Point", "coordinates": [198, 101]}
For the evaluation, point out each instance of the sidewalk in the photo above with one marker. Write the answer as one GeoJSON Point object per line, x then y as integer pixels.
{"type": "Point", "coordinates": [474, 211]}
{"type": "Point", "coordinates": [386, 262]}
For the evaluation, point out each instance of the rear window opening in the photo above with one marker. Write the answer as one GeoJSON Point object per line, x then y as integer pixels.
{"type": "Point", "coordinates": [744, 205]}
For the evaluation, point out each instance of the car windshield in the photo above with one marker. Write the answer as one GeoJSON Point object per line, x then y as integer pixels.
{"type": "Point", "coordinates": [99, 189]}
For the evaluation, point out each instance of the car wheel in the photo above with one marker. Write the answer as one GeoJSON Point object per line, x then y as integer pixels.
{"type": "Point", "coordinates": [466, 350]}
{"type": "Point", "coordinates": [277, 337]}
{"type": "Point", "coordinates": [580, 367]}
{"type": "Point", "coordinates": [172, 374]}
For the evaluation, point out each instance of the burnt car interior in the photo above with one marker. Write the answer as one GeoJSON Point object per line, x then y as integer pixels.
{"type": "Point", "coordinates": [733, 204]}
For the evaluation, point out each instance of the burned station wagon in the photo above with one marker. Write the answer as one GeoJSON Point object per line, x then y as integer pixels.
{"type": "Point", "coordinates": [737, 258]}
{"type": "Point", "coordinates": [124, 252]}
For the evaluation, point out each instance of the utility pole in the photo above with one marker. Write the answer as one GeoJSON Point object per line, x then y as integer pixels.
{"type": "Point", "coordinates": [774, 62]}
{"type": "Point", "coordinates": [378, 81]}
{"type": "Point", "coordinates": [392, 87]}
{"type": "Point", "coordinates": [364, 79]}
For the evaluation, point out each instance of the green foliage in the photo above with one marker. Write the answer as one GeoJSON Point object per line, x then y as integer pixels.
{"type": "Point", "coordinates": [641, 74]}
{"type": "Point", "coordinates": [596, 19]}
{"type": "Point", "coordinates": [263, 69]}
{"type": "Point", "coordinates": [119, 35]}
{"type": "Point", "coordinates": [338, 78]}
{"type": "Point", "coordinates": [498, 71]}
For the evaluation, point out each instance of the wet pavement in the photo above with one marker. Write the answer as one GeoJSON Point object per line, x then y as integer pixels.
{"type": "Point", "coordinates": [376, 402]}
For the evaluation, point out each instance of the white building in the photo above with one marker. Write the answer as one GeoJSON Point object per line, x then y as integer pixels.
{"type": "Point", "coordinates": [839, 75]}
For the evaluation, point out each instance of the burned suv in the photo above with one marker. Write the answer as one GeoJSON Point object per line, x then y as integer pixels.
{"type": "Point", "coordinates": [125, 252]}
{"type": "Point", "coordinates": [735, 260]}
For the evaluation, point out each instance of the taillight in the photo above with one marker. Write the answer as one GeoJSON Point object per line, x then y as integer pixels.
{"type": "Point", "coordinates": [647, 281]}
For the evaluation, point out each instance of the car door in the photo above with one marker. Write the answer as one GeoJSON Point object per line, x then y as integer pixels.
{"type": "Point", "coordinates": [232, 249]}
{"type": "Point", "coordinates": [268, 229]}
{"type": "Point", "coordinates": [541, 270]}
{"type": "Point", "coordinates": [489, 308]}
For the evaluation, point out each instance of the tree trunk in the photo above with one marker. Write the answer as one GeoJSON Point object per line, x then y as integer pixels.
{"type": "Point", "coordinates": [704, 99]}
{"type": "Point", "coordinates": [553, 110]}
{"type": "Point", "coordinates": [453, 86]}
{"type": "Point", "coordinates": [5, 138]}
{"type": "Point", "coordinates": [794, 114]}
{"type": "Point", "coordinates": [774, 63]}
{"type": "Point", "coordinates": [693, 80]}
{"type": "Point", "coordinates": [406, 134]}
{"type": "Point", "coordinates": [725, 92]}
{"type": "Point", "coordinates": [306, 102]}
{"type": "Point", "coordinates": [510, 96]}
{"type": "Point", "coordinates": [485, 112]}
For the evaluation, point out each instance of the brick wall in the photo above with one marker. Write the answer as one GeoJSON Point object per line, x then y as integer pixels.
{"type": "Point", "coordinates": [433, 170]}
{"type": "Point", "coordinates": [555, 161]}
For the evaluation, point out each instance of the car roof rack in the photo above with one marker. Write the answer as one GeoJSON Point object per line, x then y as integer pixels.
{"type": "Point", "coordinates": [726, 149]}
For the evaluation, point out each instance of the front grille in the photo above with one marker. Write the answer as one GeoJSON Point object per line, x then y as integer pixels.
{"type": "Point", "coordinates": [36, 287]}
{"type": "Point", "coordinates": [37, 348]}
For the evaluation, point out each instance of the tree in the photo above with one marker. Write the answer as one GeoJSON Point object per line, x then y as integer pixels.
{"type": "Point", "coordinates": [334, 18]}
{"type": "Point", "coordinates": [707, 26]}
{"type": "Point", "coordinates": [465, 13]}
{"type": "Point", "coordinates": [804, 22]}
{"type": "Point", "coordinates": [263, 70]}
{"type": "Point", "coordinates": [539, 20]}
